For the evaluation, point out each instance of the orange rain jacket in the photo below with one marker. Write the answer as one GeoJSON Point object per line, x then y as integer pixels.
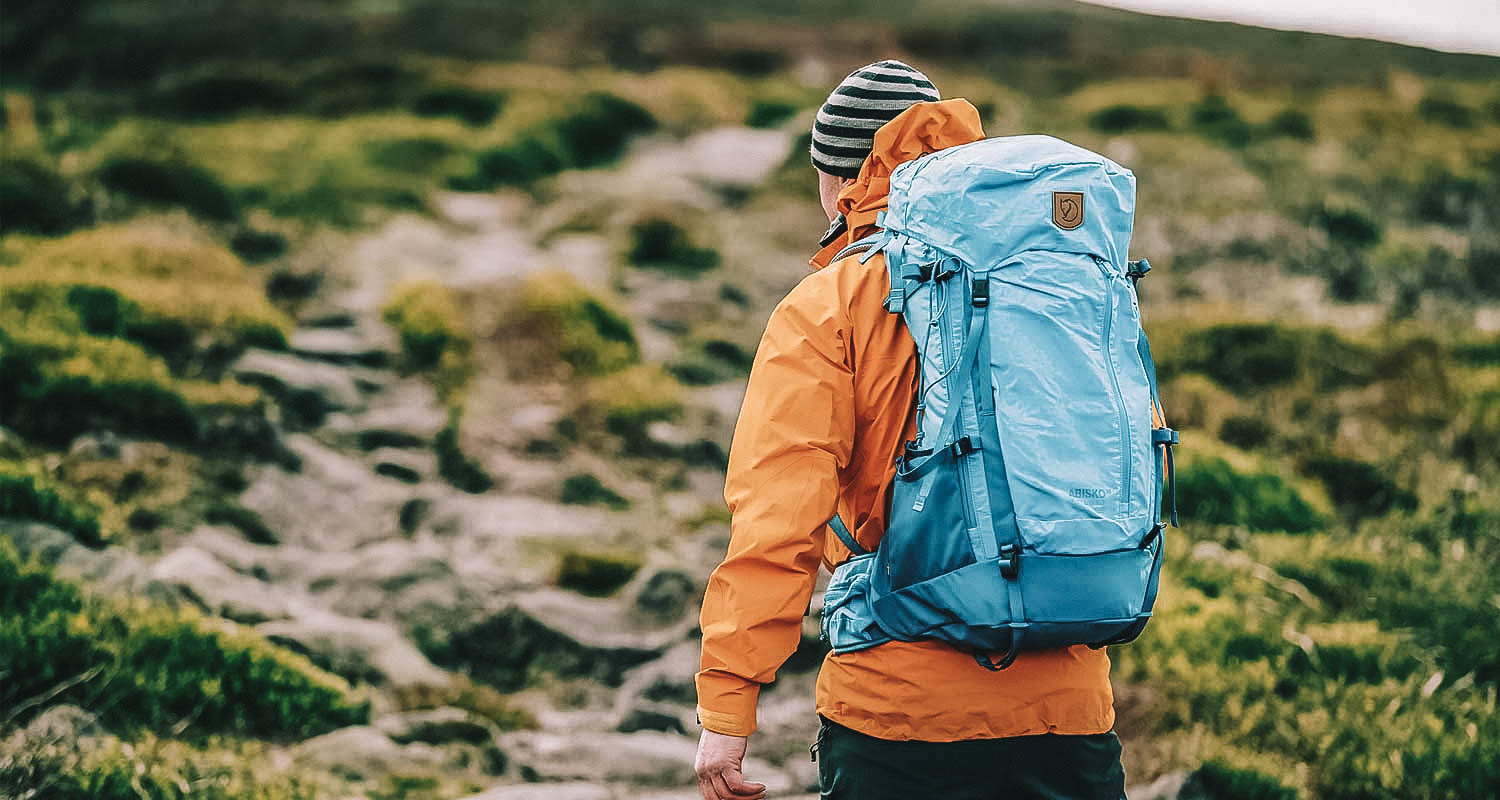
{"type": "Point", "coordinates": [827, 410]}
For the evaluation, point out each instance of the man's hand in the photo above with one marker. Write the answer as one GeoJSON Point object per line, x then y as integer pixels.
{"type": "Point", "coordinates": [718, 768]}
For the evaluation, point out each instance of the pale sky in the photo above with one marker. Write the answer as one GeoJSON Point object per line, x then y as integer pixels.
{"type": "Point", "coordinates": [1470, 26]}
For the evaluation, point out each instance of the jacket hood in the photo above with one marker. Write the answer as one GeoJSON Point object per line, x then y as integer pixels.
{"type": "Point", "coordinates": [921, 129]}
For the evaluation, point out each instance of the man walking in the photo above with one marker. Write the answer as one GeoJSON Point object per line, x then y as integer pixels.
{"type": "Point", "coordinates": [828, 407]}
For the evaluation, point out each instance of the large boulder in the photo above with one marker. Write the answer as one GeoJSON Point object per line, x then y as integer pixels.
{"type": "Point", "coordinates": [358, 649]}
{"type": "Point", "coordinates": [557, 632]}
{"type": "Point", "coordinates": [363, 753]}
{"type": "Point", "coordinates": [217, 589]}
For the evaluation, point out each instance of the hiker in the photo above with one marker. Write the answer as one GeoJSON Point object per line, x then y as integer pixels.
{"type": "Point", "coordinates": [829, 405]}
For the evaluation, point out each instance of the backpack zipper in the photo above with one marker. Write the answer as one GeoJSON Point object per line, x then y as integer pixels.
{"type": "Point", "coordinates": [1109, 360]}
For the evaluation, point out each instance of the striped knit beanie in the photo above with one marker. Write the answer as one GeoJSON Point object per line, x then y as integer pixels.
{"type": "Point", "coordinates": [844, 132]}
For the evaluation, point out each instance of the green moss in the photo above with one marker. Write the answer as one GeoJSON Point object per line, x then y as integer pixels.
{"type": "Point", "coordinates": [592, 132]}
{"type": "Point", "coordinates": [581, 329]}
{"type": "Point", "coordinates": [1358, 488]}
{"type": "Point", "coordinates": [1212, 492]}
{"type": "Point", "coordinates": [1215, 118]}
{"type": "Point", "coordinates": [170, 183]}
{"type": "Point", "coordinates": [476, 698]}
{"type": "Point", "coordinates": [586, 489]}
{"type": "Point", "coordinates": [434, 333]}
{"type": "Point", "coordinates": [247, 522]}
{"type": "Point", "coordinates": [149, 670]}
{"type": "Point", "coordinates": [1445, 110]}
{"type": "Point", "coordinates": [595, 575]}
{"type": "Point", "coordinates": [1124, 118]}
{"type": "Point", "coordinates": [1246, 432]}
{"type": "Point", "coordinates": [34, 199]}
{"type": "Point", "coordinates": [1220, 781]}
{"type": "Point", "coordinates": [29, 497]}
{"type": "Point", "coordinates": [663, 244]}
{"type": "Point", "coordinates": [256, 247]}
{"type": "Point", "coordinates": [415, 155]}
{"type": "Point", "coordinates": [471, 106]}
{"type": "Point", "coordinates": [1292, 123]}
{"type": "Point", "coordinates": [770, 113]}
{"type": "Point", "coordinates": [456, 467]}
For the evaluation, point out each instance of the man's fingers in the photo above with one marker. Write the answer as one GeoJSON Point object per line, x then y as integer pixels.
{"type": "Point", "coordinates": [722, 785]}
{"type": "Point", "coordinates": [709, 792]}
{"type": "Point", "coordinates": [741, 787]}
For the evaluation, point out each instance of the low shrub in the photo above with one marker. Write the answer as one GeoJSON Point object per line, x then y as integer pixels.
{"type": "Point", "coordinates": [29, 497]}
{"type": "Point", "coordinates": [710, 362]}
{"type": "Point", "coordinates": [769, 113]}
{"type": "Point", "coordinates": [626, 404]}
{"type": "Point", "coordinates": [140, 669]}
{"type": "Point", "coordinates": [1445, 110]}
{"type": "Point", "coordinates": [247, 522]}
{"type": "Point", "coordinates": [1124, 118]}
{"type": "Point", "coordinates": [1210, 491]}
{"type": "Point", "coordinates": [1443, 197]}
{"type": "Point", "coordinates": [476, 698]}
{"type": "Point", "coordinates": [456, 467]}
{"type": "Point", "coordinates": [1222, 782]}
{"type": "Point", "coordinates": [1347, 226]}
{"type": "Point", "coordinates": [256, 247]}
{"type": "Point", "coordinates": [586, 489]}
{"type": "Point", "coordinates": [1358, 488]}
{"type": "Point", "coordinates": [471, 106]}
{"type": "Point", "coordinates": [591, 133]}
{"type": "Point", "coordinates": [1215, 118]}
{"type": "Point", "coordinates": [596, 575]}
{"type": "Point", "coordinates": [1243, 356]}
{"type": "Point", "coordinates": [663, 244]}
{"type": "Point", "coordinates": [1246, 432]}
{"type": "Point", "coordinates": [218, 94]}
{"type": "Point", "coordinates": [34, 199]}
{"type": "Point", "coordinates": [167, 274]}
{"type": "Point", "coordinates": [414, 155]}
{"type": "Point", "coordinates": [429, 321]}
{"type": "Point", "coordinates": [170, 183]}
{"type": "Point", "coordinates": [1291, 123]}
{"type": "Point", "coordinates": [581, 329]}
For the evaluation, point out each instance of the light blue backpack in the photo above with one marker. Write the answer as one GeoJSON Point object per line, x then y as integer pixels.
{"type": "Point", "coordinates": [1026, 515]}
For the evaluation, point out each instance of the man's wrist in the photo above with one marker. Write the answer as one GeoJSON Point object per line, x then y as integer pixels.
{"type": "Point", "coordinates": [726, 724]}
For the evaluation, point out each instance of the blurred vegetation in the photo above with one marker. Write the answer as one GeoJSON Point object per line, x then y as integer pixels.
{"type": "Point", "coordinates": [586, 489]}
{"type": "Point", "coordinates": [147, 669]}
{"type": "Point", "coordinates": [594, 574]}
{"type": "Point", "coordinates": [566, 322]}
{"type": "Point", "coordinates": [1327, 627]}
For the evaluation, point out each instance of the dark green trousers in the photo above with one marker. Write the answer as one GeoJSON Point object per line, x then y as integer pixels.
{"type": "Point", "coordinates": [854, 766]}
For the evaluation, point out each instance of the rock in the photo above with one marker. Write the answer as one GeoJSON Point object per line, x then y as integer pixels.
{"type": "Point", "coordinates": [645, 719]}
{"type": "Point", "coordinates": [569, 635]}
{"type": "Point", "coordinates": [323, 385]}
{"type": "Point", "coordinates": [334, 504]}
{"type": "Point", "coordinates": [37, 540]}
{"type": "Point", "coordinates": [547, 791]}
{"type": "Point", "coordinates": [218, 589]}
{"type": "Point", "coordinates": [362, 752]}
{"type": "Point", "coordinates": [644, 758]}
{"type": "Point", "coordinates": [437, 726]}
{"type": "Point", "coordinates": [734, 159]}
{"type": "Point", "coordinates": [342, 346]}
{"type": "Point", "coordinates": [667, 595]}
{"type": "Point", "coordinates": [358, 649]}
{"type": "Point", "coordinates": [407, 466]}
{"type": "Point", "coordinates": [401, 413]}
{"type": "Point", "coordinates": [1167, 787]}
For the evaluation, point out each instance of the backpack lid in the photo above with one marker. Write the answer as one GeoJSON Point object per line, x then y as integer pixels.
{"type": "Point", "coordinates": [983, 202]}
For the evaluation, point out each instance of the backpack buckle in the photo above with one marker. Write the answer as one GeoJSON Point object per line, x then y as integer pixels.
{"type": "Point", "coordinates": [963, 446]}
{"type": "Point", "coordinates": [1010, 561]}
{"type": "Point", "coordinates": [981, 292]}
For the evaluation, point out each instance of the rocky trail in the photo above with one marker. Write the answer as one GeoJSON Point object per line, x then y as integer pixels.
{"type": "Point", "coordinates": [374, 562]}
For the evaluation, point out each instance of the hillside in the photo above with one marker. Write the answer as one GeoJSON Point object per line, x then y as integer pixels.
{"type": "Point", "coordinates": [367, 372]}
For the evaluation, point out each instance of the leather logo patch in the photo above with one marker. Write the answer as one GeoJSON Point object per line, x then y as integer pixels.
{"type": "Point", "coordinates": [1067, 209]}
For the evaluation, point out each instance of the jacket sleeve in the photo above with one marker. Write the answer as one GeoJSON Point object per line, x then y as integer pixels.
{"type": "Point", "coordinates": [794, 434]}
